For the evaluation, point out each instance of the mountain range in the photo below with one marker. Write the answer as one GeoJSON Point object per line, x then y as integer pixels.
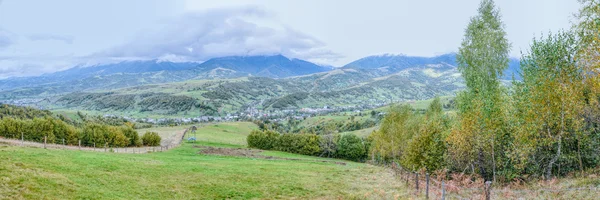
{"type": "Point", "coordinates": [237, 83]}
{"type": "Point", "coordinates": [110, 76]}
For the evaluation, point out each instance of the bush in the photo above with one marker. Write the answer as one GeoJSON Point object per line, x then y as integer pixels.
{"type": "Point", "coordinates": [151, 139]}
{"type": "Point", "coordinates": [351, 147]}
{"type": "Point", "coordinates": [94, 135]}
{"type": "Point", "coordinates": [306, 144]}
{"type": "Point", "coordinates": [132, 135]}
{"type": "Point", "coordinates": [347, 146]}
{"type": "Point", "coordinates": [262, 139]}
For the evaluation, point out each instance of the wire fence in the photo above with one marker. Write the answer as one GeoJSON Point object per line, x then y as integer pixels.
{"type": "Point", "coordinates": [428, 186]}
{"type": "Point", "coordinates": [132, 150]}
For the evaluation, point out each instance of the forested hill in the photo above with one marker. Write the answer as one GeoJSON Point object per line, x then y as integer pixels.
{"type": "Point", "coordinates": [276, 66]}
{"type": "Point", "coordinates": [133, 73]}
{"type": "Point", "coordinates": [232, 84]}
{"type": "Point", "coordinates": [81, 72]}
{"type": "Point", "coordinates": [339, 87]}
{"type": "Point", "coordinates": [389, 63]}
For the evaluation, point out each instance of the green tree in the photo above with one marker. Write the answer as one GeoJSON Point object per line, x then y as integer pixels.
{"type": "Point", "coordinates": [550, 116]}
{"type": "Point", "coordinates": [132, 136]}
{"type": "Point", "coordinates": [151, 139]}
{"type": "Point", "coordinates": [395, 132]}
{"type": "Point", "coordinates": [351, 147]}
{"type": "Point", "coordinates": [482, 58]}
{"type": "Point", "coordinates": [427, 149]}
{"type": "Point", "coordinates": [94, 135]}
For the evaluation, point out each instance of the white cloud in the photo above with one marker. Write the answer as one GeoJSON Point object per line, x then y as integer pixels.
{"type": "Point", "coordinates": [32, 55]}
{"type": "Point", "coordinates": [63, 38]}
{"type": "Point", "coordinates": [6, 38]}
{"type": "Point", "coordinates": [220, 32]}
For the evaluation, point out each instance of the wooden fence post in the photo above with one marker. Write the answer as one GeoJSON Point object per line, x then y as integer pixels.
{"type": "Point", "coordinates": [63, 141]}
{"type": "Point", "coordinates": [105, 145]}
{"type": "Point", "coordinates": [487, 188]}
{"type": "Point", "coordinates": [407, 176]}
{"type": "Point", "coordinates": [443, 191]}
{"type": "Point", "coordinates": [417, 181]}
{"type": "Point", "coordinates": [427, 186]}
{"type": "Point", "coordinates": [80, 145]}
{"type": "Point", "coordinates": [22, 139]}
{"type": "Point", "coordinates": [45, 140]}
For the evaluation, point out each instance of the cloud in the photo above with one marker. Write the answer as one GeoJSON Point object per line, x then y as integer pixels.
{"type": "Point", "coordinates": [220, 32]}
{"type": "Point", "coordinates": [6, 38]}
{"type": "Point", "coordinates": [193, 36]}
{"type": "Point", "coordinates": [29, 56]}
{"type": "Point", "coordinates": [29, 66]}
{"type": "Point", "coordinates": [63, 38]}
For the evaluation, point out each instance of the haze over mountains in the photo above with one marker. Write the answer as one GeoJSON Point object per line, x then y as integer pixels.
{"type": "Point", "coordinates": [276, 66]}
{"type": "Point", "coordinates": [235, 83]}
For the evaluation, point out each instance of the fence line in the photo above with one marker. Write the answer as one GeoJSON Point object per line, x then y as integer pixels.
{"type": "Point", "coordinates": [428, 186]}
{"type": "Point", "coordinates": [130, 150]}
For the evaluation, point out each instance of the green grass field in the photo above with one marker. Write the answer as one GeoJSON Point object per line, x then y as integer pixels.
{"type": "Point", "coordinates": [313, 121]}
{"type": "Point", "coordinates": [184, 173]}
{"type": "Point", "coordinates": [363, 132]}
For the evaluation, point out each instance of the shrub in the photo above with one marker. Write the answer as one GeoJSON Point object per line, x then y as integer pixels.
{"type": "Point", "coordinates": [262, 139]}
{"type": "Point", "coordinates": [151, 139]}
{"type": "Point", "coordinates": [351, 147]}
{"type": "Point", "coordinates": [306, 144]}
{"type": "Point", "coordinates": [94, 135]}
{"type": "Point", "coordinates": [132, 136]}
{"type": "Point", "coordinates": [120, 140]}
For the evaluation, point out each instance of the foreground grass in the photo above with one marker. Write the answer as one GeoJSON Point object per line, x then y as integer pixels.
{"type": "Point", "coordinates": [183, 173]}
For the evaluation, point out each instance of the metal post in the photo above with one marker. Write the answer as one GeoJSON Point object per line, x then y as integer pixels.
{"type": "Point", "coordinates": [417, 181]}
{"type": "Point", "coordinates": [427, 186]}
{"type": "Point", "coordinates": [443, 191]}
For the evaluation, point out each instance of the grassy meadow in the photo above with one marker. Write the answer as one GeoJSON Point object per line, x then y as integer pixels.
{"type": "Point", "coordinates": [184, 173]}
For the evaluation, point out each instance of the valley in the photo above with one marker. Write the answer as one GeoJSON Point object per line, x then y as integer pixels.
{"type": "Point", "coordinates": [145, 99]}
{"type": "Point", "coordinates": [364, 84]}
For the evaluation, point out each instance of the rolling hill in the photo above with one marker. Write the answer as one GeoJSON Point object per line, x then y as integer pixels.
{"type": "Point", "coordinates": [276, 66]}
{"type": "Point", "coordinates": [234, 84]}
{"type": "Point", "coordinates": [134, 73]}
{"type": "Point", "coordinates": [389, 63]}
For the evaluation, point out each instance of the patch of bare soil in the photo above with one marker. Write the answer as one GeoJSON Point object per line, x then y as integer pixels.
{"type": "Point", "coordinates": [250, 153]}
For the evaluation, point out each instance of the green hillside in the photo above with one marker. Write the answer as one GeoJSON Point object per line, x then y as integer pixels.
{"type": "Point", "coordinates": [186, 173]}
{"type": "Point", "coordinates": [341, 87]}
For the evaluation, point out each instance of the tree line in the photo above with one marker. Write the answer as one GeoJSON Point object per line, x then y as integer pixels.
{"type": "Point", "coordinates": [41, 126]}
{"type": "Point", "coordinates": [344, 146]}
{"type": "Point", "coordinates": [543, 126]}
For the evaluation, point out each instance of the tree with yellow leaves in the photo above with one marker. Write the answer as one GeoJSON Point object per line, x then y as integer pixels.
{"type": "Point", "coordinates": [551, 113]}
{"type": "Point", "coordinates": [482, 58]}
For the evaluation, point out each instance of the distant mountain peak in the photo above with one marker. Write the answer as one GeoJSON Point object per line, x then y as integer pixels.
{"type": "Point", "coordinates": [273, 66]}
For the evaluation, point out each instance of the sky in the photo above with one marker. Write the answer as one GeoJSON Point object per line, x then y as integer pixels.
{"type": "Point", "coordinates": [39, 36]}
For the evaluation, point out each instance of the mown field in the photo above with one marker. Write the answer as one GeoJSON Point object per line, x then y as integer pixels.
{"type": "Point", "coordinates": [185, 173]}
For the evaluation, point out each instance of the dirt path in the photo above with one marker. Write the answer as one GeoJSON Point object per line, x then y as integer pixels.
{"type": "Point", "coordinates": [166, 144]}
{"type": "Point", "coordinates": [174, 140]}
